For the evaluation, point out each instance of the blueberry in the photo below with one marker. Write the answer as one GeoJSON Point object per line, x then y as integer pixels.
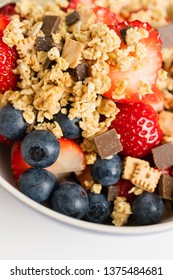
{"type": "Point", "coordinates": [70, 128]}
{"type": "Point", "coordinates": [12, 123]}
{"type": "Point", "coordinates": [99, 208]}
{"type": "Point", "coordinates": [37, 184]}
{"type": "Point", "coordinates": [147, 209]}
{"type": "Point", "coordinates": [107, 171]}
{"type": "Point", "coordinates": [40, 148]}
{"type": "Point", "coordinates": [70, 199]}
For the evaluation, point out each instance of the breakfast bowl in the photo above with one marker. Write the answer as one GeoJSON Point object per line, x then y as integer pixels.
{"type": "Point", "coordinates": [107, 167]}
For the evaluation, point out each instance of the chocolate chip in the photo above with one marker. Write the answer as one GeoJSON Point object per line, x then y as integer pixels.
{"type": "Point", "coordinates": [166, 34]}
{"type": "Point", "coordinates": [50, 24]}
{"type": "Point", "coordinates": [166, 187]}
{"type": "Point", "coordinates": [123, 33]}
{"type": "Point", "coordinates": [43, 44]}
{"type": "Point", "coordinates": [108, 144]}
{"type": "Point", "coordinates": [80, 72]}
{"type": "Point", "coordinates": [72, 18]}
{"type": "Point", "coordinates": [112, 193]}
{"type": "Point", "coordinates": [163, 155]}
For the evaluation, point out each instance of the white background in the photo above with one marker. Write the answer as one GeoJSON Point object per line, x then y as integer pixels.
{"type": "Point", "coordinates": [27, 234]}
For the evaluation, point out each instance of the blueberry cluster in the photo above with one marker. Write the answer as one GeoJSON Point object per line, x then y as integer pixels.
{"type": "Point", "coordinates": [40, 149]}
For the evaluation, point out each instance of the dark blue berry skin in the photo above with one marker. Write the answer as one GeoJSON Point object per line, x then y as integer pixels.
{"type": "Point", "coordinates": [147, 209]}
{"type": "Point", "coordinates": [107, 171]}
{"type": "Point", "coordinates": [12, 123]}
{"type": "Point", "coordinates": [99, 208]}
{"type": "Point", "coordinates": [70, 128]}
{"type": "Point", "coordinates": [70, 199]}
{"type": "Point", "coordinates": [40, 148]}
{"type": "Point", "coordinates": [37, 184]}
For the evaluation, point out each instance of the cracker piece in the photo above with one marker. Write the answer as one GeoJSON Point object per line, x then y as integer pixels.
{"type": "Point", "coordinates": [145, 177]}
{"type": "Point", "coordinates": [129, 165]}
{"type": "Point", "coordinates": [72, 52]}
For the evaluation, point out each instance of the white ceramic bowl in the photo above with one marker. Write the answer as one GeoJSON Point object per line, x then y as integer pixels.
{"type": "Point", "coordinates": [8, 184]}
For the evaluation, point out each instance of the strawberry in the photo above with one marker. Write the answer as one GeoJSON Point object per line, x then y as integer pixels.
{"type": "Point", "coordinates": [4, 21]}
{"type": "Point", "coordinates": [18, 165]}
{"type": "Point", "coordinates": [73, 4]}
{"type": "Point", "coordinates": [5, 140]}
{"type": "Point", "coordinates": [70, 159]}
{"type": "Point", "coordinates": [85, 176]}
{"type": "Point", "coordinates": [124, 186]}
{"type": "Point", "coordinates": [8, 10]}
{"type": "Point", "coordinates": [105, 15]}
{"type": "Point", "coordinates": [8, 57]}
{"type": "Point", "coordinates": [156, 100]}
{"type": "Point", "coordinates": [149, 65]}
{"type": "Point", "coordinates": [138, 127]}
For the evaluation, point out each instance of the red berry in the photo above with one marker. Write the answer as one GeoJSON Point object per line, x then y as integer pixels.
{"type": "Point", "coordinates": [8, 57]}
{"type": "Point", "coordinates": [138, 127]}
{"type": "Point", "coordinates": [105, 15]}
{"type": "Point", "coordinates": [156, 100]}
{"type": "Point", "coordinates": [5, 140]}
{"type": "Point", "coordinates": [73, 3]}
{"type": "Point", "coordinates": [18, 164]}
{"type": "Point", "coordinates": [124, 186]}
{"type": "Point", "coordinates": [4, 21]}
{"type": "Point", "coordinates": [8, 10]}
{"type": "Point", "coordinates": [149, 65]}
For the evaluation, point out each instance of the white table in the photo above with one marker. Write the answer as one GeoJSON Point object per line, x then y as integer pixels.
{"type": "Point", "coordinates": [27, 234]}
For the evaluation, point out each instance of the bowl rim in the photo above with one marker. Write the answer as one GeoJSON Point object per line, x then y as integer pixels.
{"type": "Point", "coordinates": [84, 225]}
{"type": "Point", "coordinates": [80, 224]}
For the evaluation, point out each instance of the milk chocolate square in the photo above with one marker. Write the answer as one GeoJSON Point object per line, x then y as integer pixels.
{"type": "Point", "coordinates": [166, 187]}
{"type": "Point", "coordinates": [112, 192]}
{"type": "Point", "coordinates": [166, 34]}
{"type": "Point", "coordinates": [108, 144]}
{"type": "Point", "coordinates": [72, 18]}
{"type": "Point", "coordinates": [43, 44]}
{"type": "Point", "coordinates": [80, 72]}
{"type": "Point", "coordinates": [50, 24]}
{"type": "Point", "coordinates": [163, 155]}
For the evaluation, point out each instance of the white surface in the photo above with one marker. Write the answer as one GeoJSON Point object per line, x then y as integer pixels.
{"type": "Point", "coordinates": [26, 234]}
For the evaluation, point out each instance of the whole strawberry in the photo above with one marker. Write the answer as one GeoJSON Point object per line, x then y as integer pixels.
{"type": "Point", "coordinates": [8, 57]}
{"type": "Point", "coordinates": [138, 127]}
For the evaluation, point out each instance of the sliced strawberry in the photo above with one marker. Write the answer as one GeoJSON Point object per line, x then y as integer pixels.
{"type": "Point", "coordinates": [105, 15]}
{"type": "Point", "coordinates": [18, 165]}
{"type": "Point", "coordinates": [85, 176]}
{"type": "Point", "coordinates": [8, 58]}
{"type": "Point", "coordinates": [70, 159]}
{"type": "Point", "coordinates": [138, 127]}
{"type": "Point", "coordinates": [156, 100]}
{"type": "Point", "coordinates": [124, 186]}
{"type": "Point", "coordinates": [4, 21]}
{"type": "Point", "coordinates": [8, 10]}
{"type": "Point", "coordinates": [73, 4]}
{"type": "Point", "coordinates": [149, 65]}
{"type": "Point", "coordinates": [5, 140]}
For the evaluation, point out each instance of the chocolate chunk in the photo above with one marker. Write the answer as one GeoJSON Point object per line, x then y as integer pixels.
{"type": "Point", "coordinates": [163, 155]}
{"type": "Point", "coordinates": [43, 44]}
{"type": "Point", "coordinates": [123, 33]}
{"type": "Point", "coordinates": [50, 24]}
{"type": "Point", "coordinates": [166, 34]}
{"type": "Point", "coordinates": [108, 144]}
{"type": "Point", "coordinates": [80, 72]}
{"type": "Point", "coordinates": [166, 187]}
{"type": "Point", "coordinates": [112, 193]}
{"type": "Point", "coordinates": [48, 63]}
{"type": "Point", "coordinates": [72, 18]}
